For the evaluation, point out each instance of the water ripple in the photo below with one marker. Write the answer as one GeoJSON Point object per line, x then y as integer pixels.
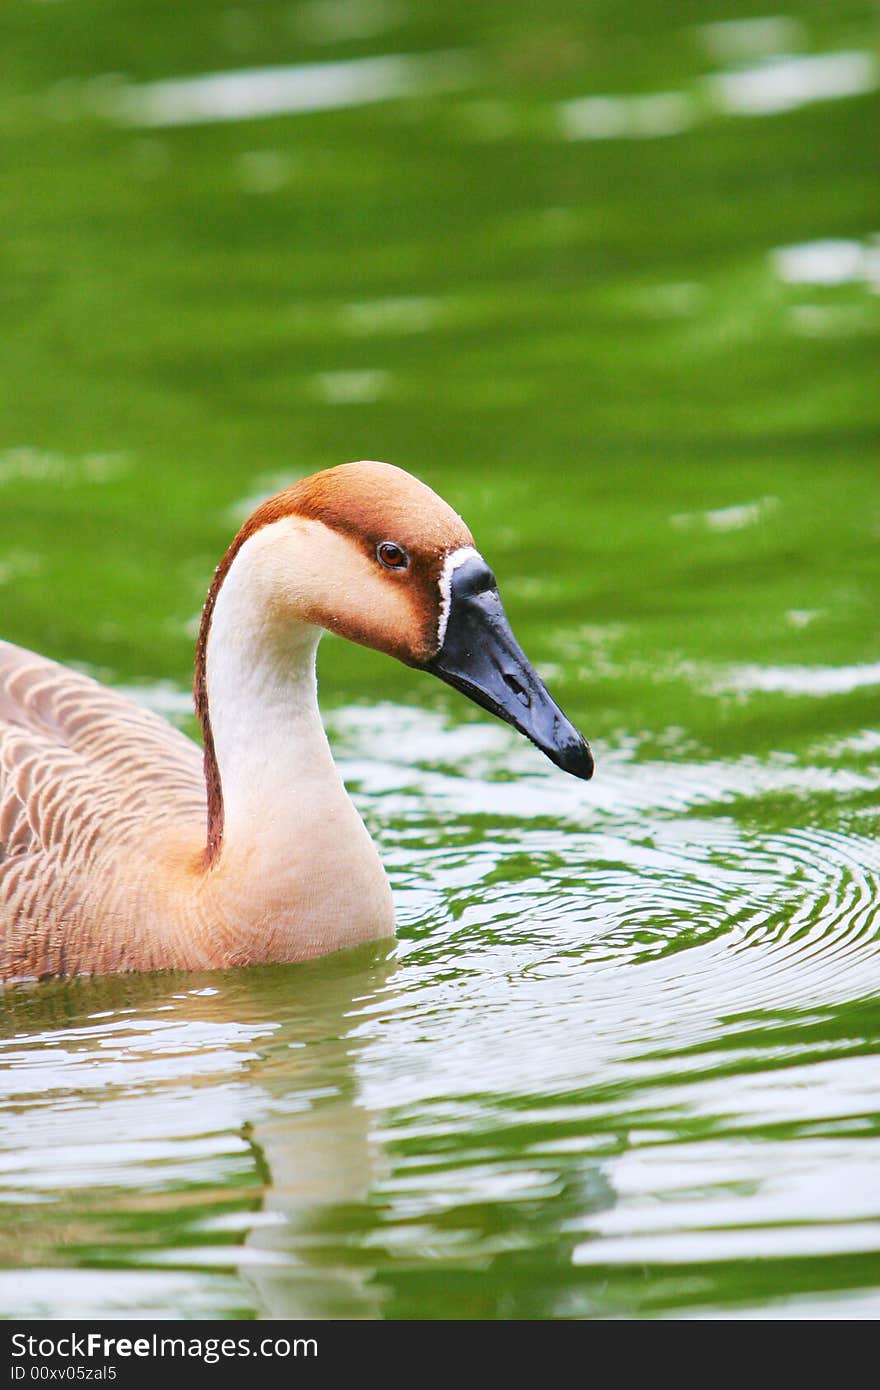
{"type": "Point", "coordinates": [597, 999]}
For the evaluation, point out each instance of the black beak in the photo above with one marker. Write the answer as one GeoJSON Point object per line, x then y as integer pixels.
{"type": "Point", "coordinates": [481, 657]}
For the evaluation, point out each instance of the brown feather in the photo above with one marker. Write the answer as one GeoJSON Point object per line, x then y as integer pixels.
{"type": "Point", "coordinates": [84, 775]}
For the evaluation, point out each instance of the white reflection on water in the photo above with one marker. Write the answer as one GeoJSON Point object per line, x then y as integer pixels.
{"type": "Point", "coordinates": [734, 518]}
{"type": "Point", "coordinates": [698, 1247]}
{"type": "Point", "coordinates": [18, 564]}
{"type": "Point", "coordinates": [628, 117]}
{"type": "Point", "coordinates": [788, 82]}
{"type": "Point", "coordinates": [351, 387]}
{"type": "Point", "coordinates": [259, 92]}
{"type": "Point", "coordinates": [264, 171]}
{"type": "Point", "coordinates": [116, 1293]}
{"type": "Point", "coordinates": [26, 464]}
{"type": "Point", "coordinates": [840, 1307]}
{"type": "Point", "coordinates": [830, 262]}
{"type": "Point", "coordinates": [337, 21]}
{"type": "Point", "coordinates": [769, 88]}
{"type": "Point", "coordinates": [406, 314]}
{"type": "Point", "coordinates": [733, 40]}
{"type": "Point", "coordinates": [799, 680]}
{"type": "Point", "coordinates": [666, 1210]}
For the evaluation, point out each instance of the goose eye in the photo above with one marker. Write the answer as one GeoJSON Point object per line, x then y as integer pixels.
{"type": "Point", "coordinates": [392, 556]}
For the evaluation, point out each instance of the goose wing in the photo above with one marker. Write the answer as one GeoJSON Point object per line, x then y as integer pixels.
{"type": "Point", "coordinates": [84, 773]}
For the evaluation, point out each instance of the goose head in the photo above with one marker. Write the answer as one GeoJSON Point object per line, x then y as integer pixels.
{"type": "Point", "coordinates": [367, 551]}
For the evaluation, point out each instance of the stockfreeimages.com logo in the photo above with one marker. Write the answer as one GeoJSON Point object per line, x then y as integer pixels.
{"type": "Point", "coordinates": [91, 1346]}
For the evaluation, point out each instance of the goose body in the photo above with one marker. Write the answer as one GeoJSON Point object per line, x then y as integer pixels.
{"type": "Point", "coordinates": [123, 846]}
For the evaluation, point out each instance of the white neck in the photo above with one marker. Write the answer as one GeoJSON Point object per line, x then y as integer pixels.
{"type": "Point", "coordinates": [263, 699]}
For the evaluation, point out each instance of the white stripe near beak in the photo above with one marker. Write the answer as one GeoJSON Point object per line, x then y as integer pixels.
{"type": "Point", "coordinates": [450, 565]}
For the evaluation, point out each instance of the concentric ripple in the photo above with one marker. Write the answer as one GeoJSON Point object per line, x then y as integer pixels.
{"type": "Point", "coordinates": [678, 863]}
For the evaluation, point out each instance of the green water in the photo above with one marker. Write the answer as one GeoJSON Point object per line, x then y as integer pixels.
{"type": "Point", "coordinates": [623, 1059]}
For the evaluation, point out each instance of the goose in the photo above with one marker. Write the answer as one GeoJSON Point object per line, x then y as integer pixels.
{"type": "Point", "coordinates": [123, 846]}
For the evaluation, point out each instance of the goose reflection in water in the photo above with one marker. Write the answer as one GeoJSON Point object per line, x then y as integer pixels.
{"type": "Point", "coordinates": [218, 1130]}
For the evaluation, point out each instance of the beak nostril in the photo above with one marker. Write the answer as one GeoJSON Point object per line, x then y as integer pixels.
{"type": "Point", "coordinates": [518, 689]}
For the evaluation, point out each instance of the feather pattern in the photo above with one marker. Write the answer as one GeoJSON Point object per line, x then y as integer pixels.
{"type": "Point", "coordinates": [88, 781]}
